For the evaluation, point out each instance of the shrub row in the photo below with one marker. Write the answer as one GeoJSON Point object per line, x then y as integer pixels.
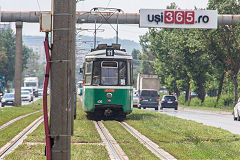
{"type": "Point", "coordinates": [224, 101]}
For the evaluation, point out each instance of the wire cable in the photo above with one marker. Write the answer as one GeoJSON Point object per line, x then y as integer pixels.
{"type": "Point", "coordinates": [38, 5]}
{"type": "Point", "coordinates": [108, 3]}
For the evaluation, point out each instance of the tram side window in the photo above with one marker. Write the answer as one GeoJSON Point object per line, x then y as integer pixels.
{"type": "Point", "coordinates": [129, 73]}
{"type": "Point", "coordinates": [96, 72]}
{"type": "Point", "coordinates": [122, 73]}
{"type": "Point", "coordinates": [109, 74]}
{"type": "Point", "coordinates": [88, 73]}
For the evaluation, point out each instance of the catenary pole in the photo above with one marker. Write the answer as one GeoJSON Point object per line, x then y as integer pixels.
{"type": "Point", "coordinates": [18, 64]}
{"type": "Point", "coordinates": [62, 80]}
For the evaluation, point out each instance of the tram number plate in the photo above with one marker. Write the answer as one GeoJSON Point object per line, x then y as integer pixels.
{"type": "Point", "coordinates": [109, 90]}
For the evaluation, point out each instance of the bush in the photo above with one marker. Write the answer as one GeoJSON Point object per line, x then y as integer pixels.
{"type": "Point", "coordinates": [226, 100]}
{"type": "Point", "coordinates": [195, 102]}
{"type": "Point", "coordinates": [209, 101]}
{"type": "Point", "coordinates": [181, 99]}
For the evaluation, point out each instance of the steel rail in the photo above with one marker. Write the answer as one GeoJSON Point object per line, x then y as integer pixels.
{"type": "Point", "coordinates": [88, 17]}
{"type": "Point", "coordinates": [16, 119]}
{"type": "Point", "coordinates": [145, 141]}
{"type": "Point", "coordinates": [12, 144]}
{"type": "Point", "coordinates": [109, 143]}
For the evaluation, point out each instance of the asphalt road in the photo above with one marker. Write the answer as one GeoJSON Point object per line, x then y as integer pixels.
{"type": "Point", "coordinates": [222, 120]}
{"type": "Point", "coordinates": [23, 102]}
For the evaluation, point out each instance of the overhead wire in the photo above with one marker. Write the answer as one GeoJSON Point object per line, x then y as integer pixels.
{"type": "Point", "coordinates": [108, 3]}
{"type": "Point", "coordinates": [38, 5]}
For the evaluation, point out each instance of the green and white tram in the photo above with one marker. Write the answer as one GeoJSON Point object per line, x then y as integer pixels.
{"type": "Point", "coordinates": [108, 83]}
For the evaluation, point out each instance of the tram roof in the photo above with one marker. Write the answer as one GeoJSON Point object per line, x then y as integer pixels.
{"type": "Point", "coordinates": [102, 54]}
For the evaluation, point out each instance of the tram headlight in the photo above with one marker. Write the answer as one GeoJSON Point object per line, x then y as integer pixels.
{"type": "Point", "coordinates": [109, 95]}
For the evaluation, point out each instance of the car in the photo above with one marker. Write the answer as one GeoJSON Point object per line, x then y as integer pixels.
{"type": "Point", "coordinates": [236, 111]}
{"type": "Point", "coordinates": [135, 100]}
{"type": "Point", "coordinates": [169, 101]}
{"type": "Point", "coordinates": [30, 89]}
{"type": "Point", "coordinates": [148, 98]}
{"type": "Point", "coordinates": [7, 99]}
{"type": "Point", "coordinates": [26, 96]}
{"type": "Point", "coordinates": [40, 92]}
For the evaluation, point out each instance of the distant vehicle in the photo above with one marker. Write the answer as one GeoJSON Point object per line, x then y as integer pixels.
{"type": "Point", "coordinates": [236, 111]}
{"type": "Point", "coordinates": [148, 99]}
{"type": "Point", "coordinates": [32, 82]}
{"type": "Point", "coordinates": [8, 99]}
{"type": "Point", "coordinates": [2, 86]}
{"type": "Point", "coordinates": [135, 100]}
{"type": "Point", "coordinates": [30, 89]}
{"type": "Point", "coordinates": [169, 101]}
{"type": "Point", "coordinates": [40, 92]}
{"type": "Point", "coordinates": [80, 88]}
{"type": "Point", "coordinates": [147, 81]}
{"type": "Point", "coordinates": [26, 96]}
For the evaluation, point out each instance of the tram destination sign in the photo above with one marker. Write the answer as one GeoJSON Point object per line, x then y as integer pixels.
{"type": "Point", "coordinates": [171, 18]}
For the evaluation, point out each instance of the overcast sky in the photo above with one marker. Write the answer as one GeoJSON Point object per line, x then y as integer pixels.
{"type": "Point", "coordinates": [130, 32]}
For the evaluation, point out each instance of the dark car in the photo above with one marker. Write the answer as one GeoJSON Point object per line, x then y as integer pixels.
{"type": "Point", "coordinates": [169, 101]}
{"type": "Point", "coordinates": [148, 98]}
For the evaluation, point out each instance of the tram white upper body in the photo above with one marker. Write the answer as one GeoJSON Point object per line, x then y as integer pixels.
{"type": "Point", "coordinates": [102, 54]}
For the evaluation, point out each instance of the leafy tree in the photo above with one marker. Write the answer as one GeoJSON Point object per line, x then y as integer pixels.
{"type": "Point", "coordinates": [135, 53]}
{"type": "Point", "coordinates": [7, 39]}
{"type": "Point", "coordinates": [226, 39]}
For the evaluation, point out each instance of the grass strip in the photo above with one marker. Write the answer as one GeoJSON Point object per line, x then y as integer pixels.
{"type": "Point", "coordinates": [9, 113]}
{"type": "Point", "coordinates": [185, 139]}
{"type": "Point", "coordinates": [84, 130]}
{"type": "Point", "coordinates": [224, 108]}
{"type": "Point", "coordinates": [130, 145]}
{"type": "Point", "coordinates": [36, 151]}
{"type": "Point", "coordinates": [11, 131]}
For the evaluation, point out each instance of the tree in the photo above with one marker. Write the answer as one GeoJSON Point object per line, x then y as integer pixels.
{"type": "Point", "coordinates": [226, 38]}
{"type": "Point", "coordinates": [7, 39]}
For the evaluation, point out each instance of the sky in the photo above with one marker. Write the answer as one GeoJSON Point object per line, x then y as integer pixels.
{"type": "Point", "coordinates": [131, 32]}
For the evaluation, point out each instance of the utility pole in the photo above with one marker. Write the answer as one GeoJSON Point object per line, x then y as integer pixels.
{"type": "Point", "coordinates": [18, 64]}
{"type": "Point", "coordinates": [62, 78]}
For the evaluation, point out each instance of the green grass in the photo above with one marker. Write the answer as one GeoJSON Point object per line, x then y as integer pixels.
{"type": "Point", "coordinates": [36, 151]}
{"type": "Point", "coordinates": [11, 131]}
{"type": "Point", "coordinates": [9, 113]}
{"type": "Point", "coordinates": [224, 108]}
{"type": "Point", "coordinates": [84, 130]}
{"type": "Point", "coordinates": [130, 145]}
{"type": "Point", "coordinates": [186, 139]}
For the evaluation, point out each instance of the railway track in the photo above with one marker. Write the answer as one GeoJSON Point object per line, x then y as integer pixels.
{"type": "Point", "coordinates": [18, 139]}
{"type": "Point", "coordinates": [154, 148]}
{"type": "Point", "coordinates": [114, 150]}
{"type": "Point", "coordinates": [16, 119]}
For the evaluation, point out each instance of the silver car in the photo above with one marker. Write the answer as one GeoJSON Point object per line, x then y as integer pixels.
{"type": "Point", "coordinates": [8, 99]}
{"type": "Point", "coordinates": [135, 100]}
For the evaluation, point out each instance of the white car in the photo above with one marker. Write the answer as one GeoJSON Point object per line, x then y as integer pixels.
{"type": "Point", "coordinates": [236, 111]}
{"type": "Point", "coordinates": [26, 96]}
{"type": "Point", "coordinates": [30, 89]}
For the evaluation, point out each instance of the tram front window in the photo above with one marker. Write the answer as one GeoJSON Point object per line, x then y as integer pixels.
{"type": "Point", "coordinates": [122, 73]}
{"type": "Point", "coordinates": [96, 73]}
{"type": "Point", "coordinates": [109, 74]}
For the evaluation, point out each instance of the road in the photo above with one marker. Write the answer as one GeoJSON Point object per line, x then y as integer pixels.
{"type": "Point", "coordinates": [23, 102]}
{"type": "Point", "coordinates": [222, 120]}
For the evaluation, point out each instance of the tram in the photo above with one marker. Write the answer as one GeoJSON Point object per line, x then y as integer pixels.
{"type": "Point", "coordinates": [108, 81]}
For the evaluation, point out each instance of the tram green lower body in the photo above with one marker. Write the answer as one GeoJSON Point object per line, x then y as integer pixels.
{"type": "Point", "coordinates": [96, 99]}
